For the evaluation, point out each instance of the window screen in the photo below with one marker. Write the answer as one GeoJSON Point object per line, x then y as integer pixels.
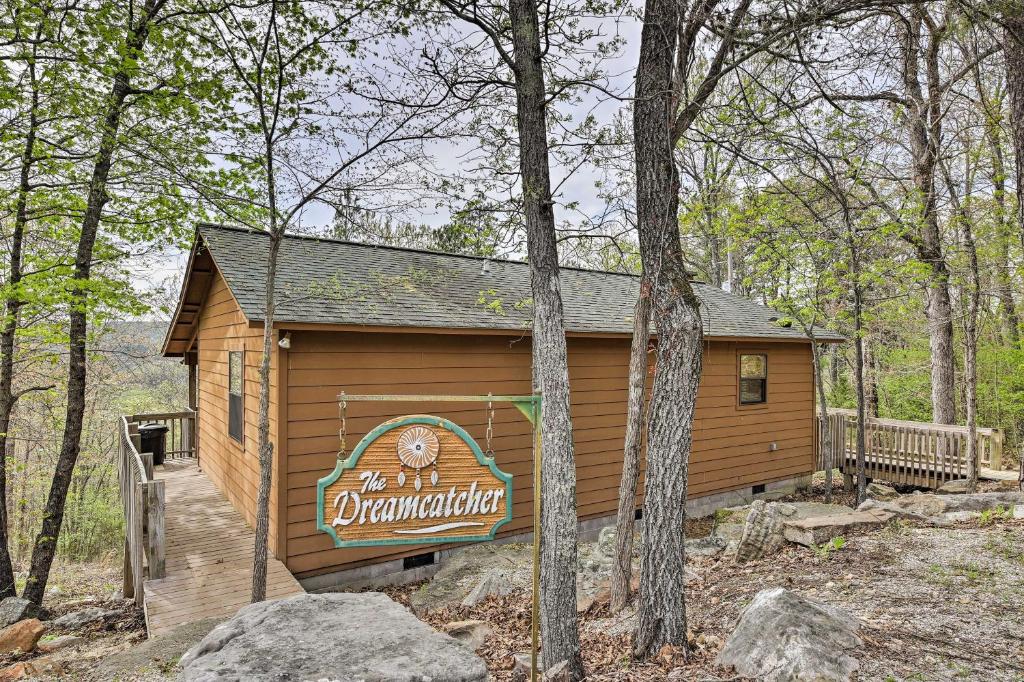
{"type": "Point", "coordinates": [753, 379]}
{"type": "Point", "coordinates": [235, 393]}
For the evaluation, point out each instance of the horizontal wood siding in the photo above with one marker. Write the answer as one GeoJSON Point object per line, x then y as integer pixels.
{"type": "Point", "coordinates": [731, 443]}
{"type": "Point", "coordinates": [233, 467]}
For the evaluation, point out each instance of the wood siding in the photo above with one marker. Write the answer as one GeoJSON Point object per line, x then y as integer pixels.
{"type": "Point", "coordinates": [232, 466]}
{"type": "Point", "coordinates": [731, 442]}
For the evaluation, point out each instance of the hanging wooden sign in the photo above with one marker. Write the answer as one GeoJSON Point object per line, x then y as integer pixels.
{"type": "Point", "coordinates": [414, 480]}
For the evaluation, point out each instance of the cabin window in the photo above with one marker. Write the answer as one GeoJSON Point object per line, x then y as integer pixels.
{"type": "Point", "coordinates": [235, 393]}
{"type": "Point", "coordinates": [753, 379]}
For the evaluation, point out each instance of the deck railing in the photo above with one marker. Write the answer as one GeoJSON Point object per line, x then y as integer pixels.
{"type": "Point", "coordinates": [142, 501]}
{"type": "Point", "coordinates": [898, 451]}
{"type": "Point", "coordinates": [181, 430]}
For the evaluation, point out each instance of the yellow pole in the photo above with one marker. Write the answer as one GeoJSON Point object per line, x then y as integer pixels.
{"type": "Point", "coordinates": [535, 624]}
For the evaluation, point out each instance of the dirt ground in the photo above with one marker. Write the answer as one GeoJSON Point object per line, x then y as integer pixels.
{"type": "Point", "coordinates": [936, 604]}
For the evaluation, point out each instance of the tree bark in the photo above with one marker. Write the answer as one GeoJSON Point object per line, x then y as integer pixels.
{"type": "Point", "coordinates": [661, 612]}
{"type": "Point", "coordinates": [861, 407]}
{"type": "Point", "coordinates": [924, 116]}
{"type": "Point", "coordinates": [559, 629]}
{"type": "Point", "coordinates": [266, 448]}
{"type": "Point", "coordinates": [826, 433]}
{"type": "Point", "coordinates": [1004, 289]}
{"type": "Point", "coordinates": [870, 376]}
{"type": "Point", "coordinates": [53, 513]}
{"type": "Point", "coordinates": [971, 357]}
{"type": "Point", "coordinates": [622, 567]}
{"type": "Point", "coordinates": [1013, 48]}
{"type": "Point", "coordinates": [10, 323]}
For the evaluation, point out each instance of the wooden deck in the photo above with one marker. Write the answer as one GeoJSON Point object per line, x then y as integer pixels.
{"type": "Point", "coordinates": [209, 554]}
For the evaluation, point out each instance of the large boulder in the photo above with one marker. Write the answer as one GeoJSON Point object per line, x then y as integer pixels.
{"type": "Point", "coordinates": [762, 532]}
{"type": "Point", "coordinates": [364, 636]}
{"type": "Point", "coordinates": [785, 637]}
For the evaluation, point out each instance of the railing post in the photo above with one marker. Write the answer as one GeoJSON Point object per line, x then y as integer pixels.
{"type": "Point", "coordinates": [996, 446]}
{"type": "Point", "coordinates": [128, 579]}
{"type": "Point", "coordinates": [135, 524]}
{"type": "Point", "coordinates": [147, 464]}
{"type": "Point", "coordinates": [155, 528]}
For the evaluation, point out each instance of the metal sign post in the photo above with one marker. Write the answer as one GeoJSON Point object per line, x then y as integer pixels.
{"type": "Point", "coordinates": [530, 407]}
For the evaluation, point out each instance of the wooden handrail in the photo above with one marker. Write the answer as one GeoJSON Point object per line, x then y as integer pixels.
{"type": "Point", "coordinates": [181, 430]}
{"type": "Point", "coordinates": [142, 502]}
{"type": "Point", "coordinates": [902, 451]}
{"type": "Point", "coordinates": [952, 428]}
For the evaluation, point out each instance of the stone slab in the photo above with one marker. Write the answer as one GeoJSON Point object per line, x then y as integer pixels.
{"type": "Point", "coordinates": [820, 529]}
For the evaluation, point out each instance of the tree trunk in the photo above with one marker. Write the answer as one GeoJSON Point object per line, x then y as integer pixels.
{"type": "Point", "coordinates": [78, 317]}
{"type": "Point", "coordinates": [661, 612]}
{"type": "Point", "coordinates": [870, 376]}
{"type": "Point", "coordinates": [559, 630]}
{"type": "Point", "coordinates": [10, 326]}
{"type": "Point", "coordinates": [971, 358]}
{"type": "Point", "coordinates": [1013, 47]}
{"type": "Point", "coordinates": [1004, 289]}
{"type": "Point", "coordinates": [861, 407]}
{"type": "Point", "coordinates": [622, 567]}
{"type": "Point", "coordinates": [826, 436]}
{"type": "Point", "coordinates": [266, 448]}
{"type": "Point", "coordinates": [924, 115]}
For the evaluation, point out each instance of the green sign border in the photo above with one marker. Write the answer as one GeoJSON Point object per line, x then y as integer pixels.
{"type": "Point", "coordinates": [353, 459]}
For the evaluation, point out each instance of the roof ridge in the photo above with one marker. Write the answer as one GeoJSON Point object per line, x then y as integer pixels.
{"type": "Point", "coordinates": [406, 249]}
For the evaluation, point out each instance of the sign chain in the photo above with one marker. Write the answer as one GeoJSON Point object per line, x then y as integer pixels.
{"type": "Point", "coordinates": [342, 407]}
{"type": "Point", "coordinates": [490, 427]}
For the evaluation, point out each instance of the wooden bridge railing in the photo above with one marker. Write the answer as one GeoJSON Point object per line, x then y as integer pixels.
{"type": "Point", "coordinates": [899, 451]}
{"type": "Point", "coordinates": [142, 501]}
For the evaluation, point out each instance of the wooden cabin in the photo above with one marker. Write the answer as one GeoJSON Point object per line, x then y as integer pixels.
{"type": "Point", "coordinates": [365, 319]}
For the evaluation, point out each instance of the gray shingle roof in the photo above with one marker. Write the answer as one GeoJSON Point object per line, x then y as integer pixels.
{"type": "Point", "coordinates": [328, 281]}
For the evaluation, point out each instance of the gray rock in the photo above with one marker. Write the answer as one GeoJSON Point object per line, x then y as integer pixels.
{"type": "Point", "coordinates": [932, 507]}
{"type": "Point", "coordinates": [606, 543]}
{"type": "Point", "coordinates": [472, 633]}
{"type": "Point", "coordinates": [961, 516]}
{"type": "Point", "coordinates": [58, 643]}
{"type": "Point", "coordinates": [559, 672]}
{"type": "Point", "coordinates": [820, 529]}
{"type": "Point", "coordinates": [907, 511]}
{"type": "Point", "coordinates": [981, 501]}
{"type": "Point", "coordinates": [341, 636]}
{"type": "Point", "coordinates": [730, 522]}
{"type": "Point", "coordinates": [712, 545]}
{"type": "Point", "coordinates": [957, 487]}
{"type": "Point", "coordinates": [494, 583]}
{"type": "Point", "coordinates": [461, 572]}
{"type": "Point", "coordinates": [762, 532]}
{"type": "Point", "coordinates": [80, 619]}
{"type": "Point", "coordinates": [784, 637]}
{"type": "Point", "coordinates": [14, 609]}
{"type": "Point", "coordinates": [880, 491]}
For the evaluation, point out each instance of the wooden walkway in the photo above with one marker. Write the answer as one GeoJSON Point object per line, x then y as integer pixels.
{"type": "Point", "coordinates": [208, 557]}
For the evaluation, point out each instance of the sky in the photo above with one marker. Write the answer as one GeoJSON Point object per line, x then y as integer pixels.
{"type": "Point", "coordinates": [454, 157]}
